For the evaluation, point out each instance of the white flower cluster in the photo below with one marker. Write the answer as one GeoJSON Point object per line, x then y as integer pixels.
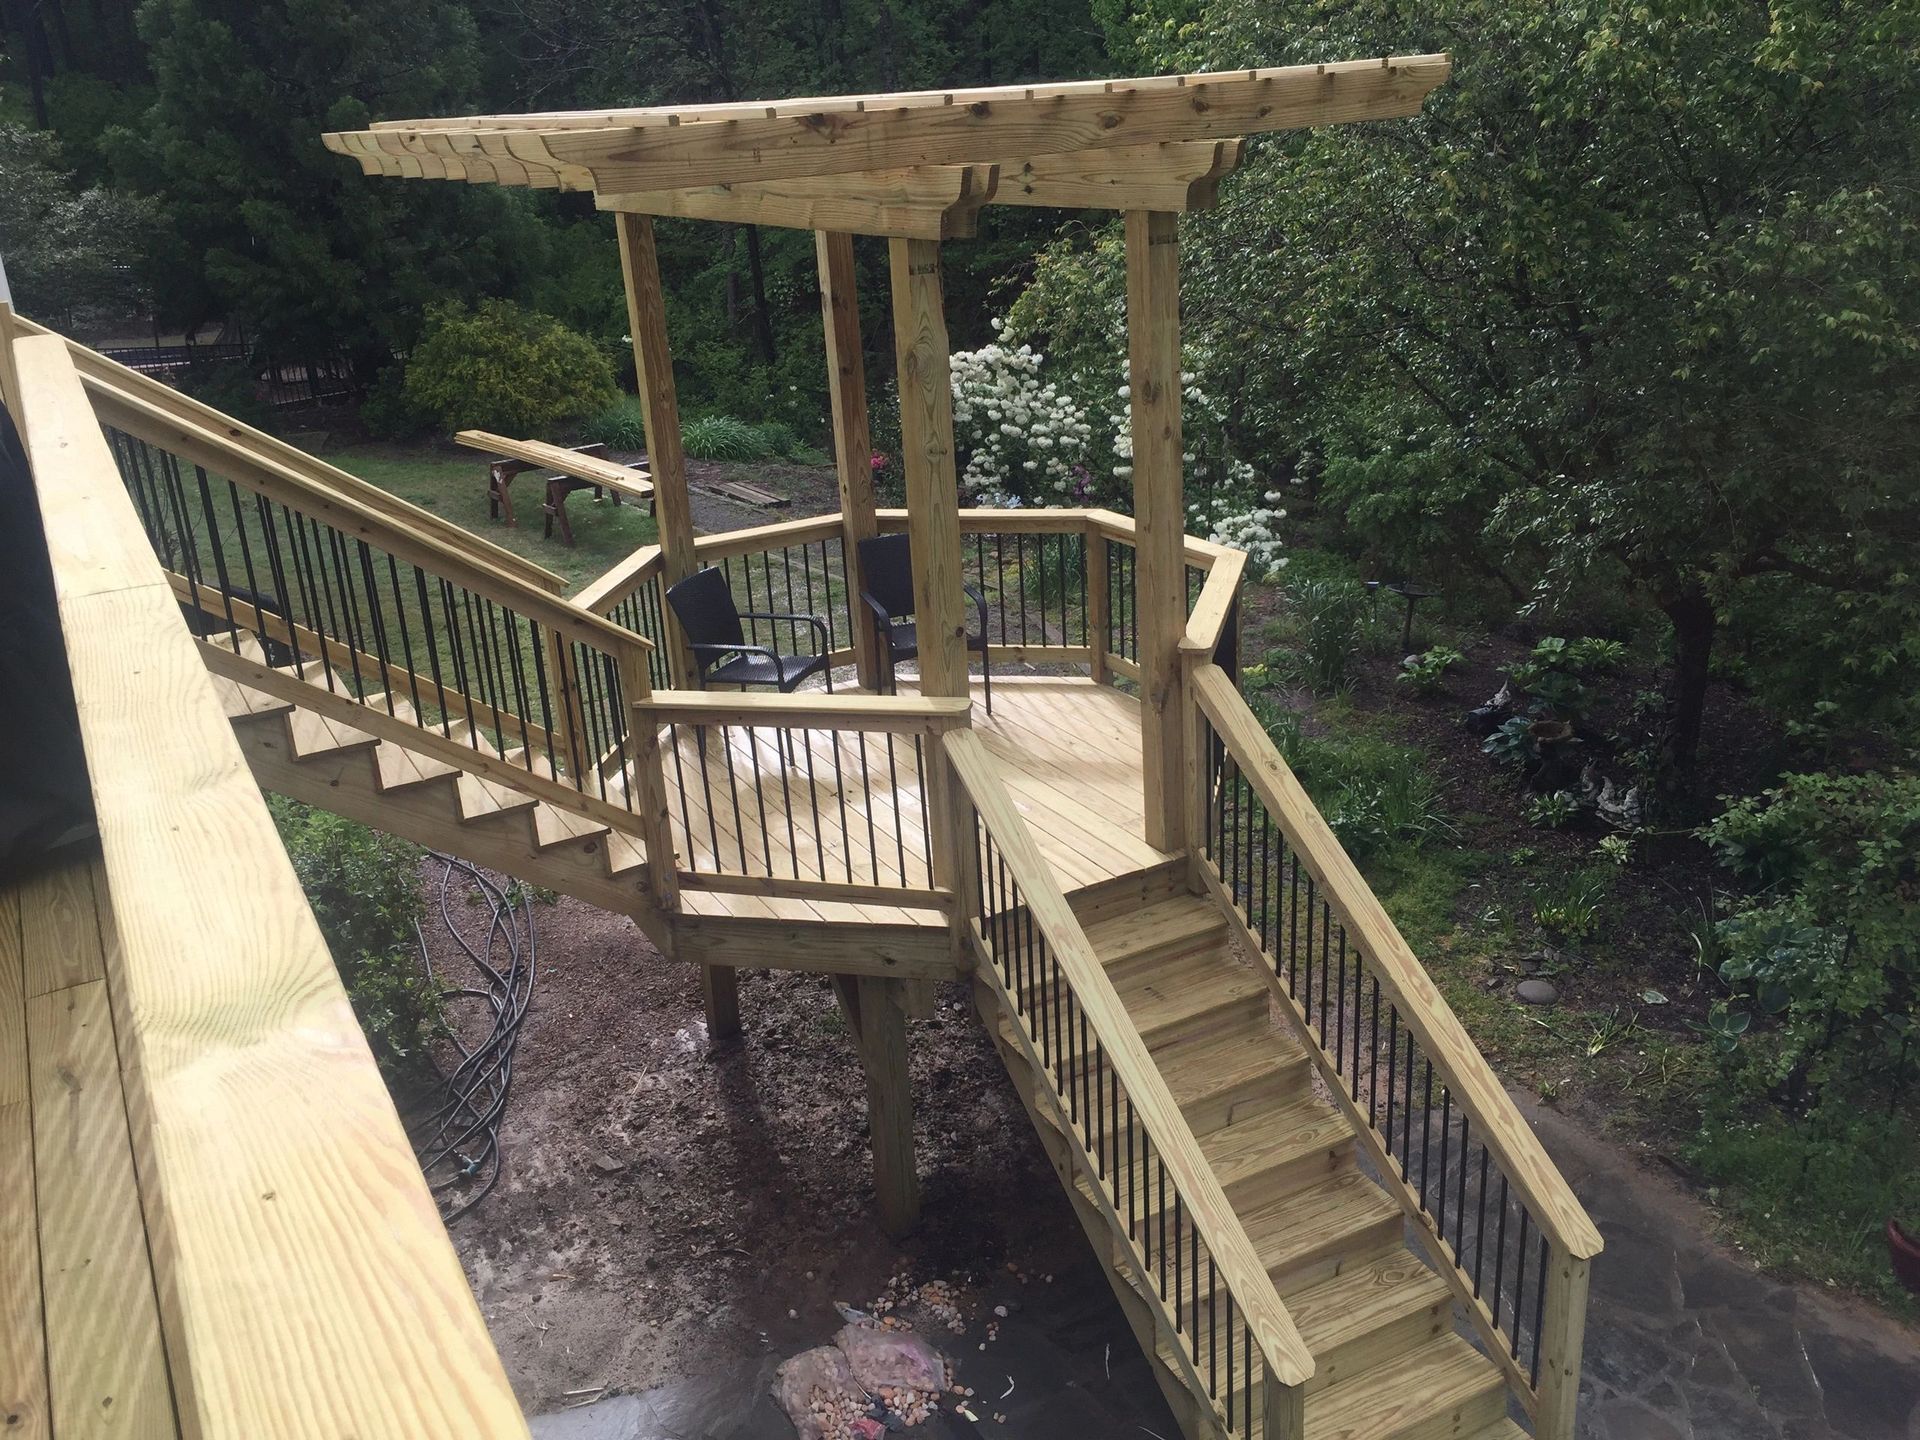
{"type": "Point", "coordinates": [1250, 529]}
{"type": "Point", "coordinates": [1023, 438]}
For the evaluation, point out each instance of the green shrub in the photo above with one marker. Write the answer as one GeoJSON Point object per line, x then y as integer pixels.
{"type": "Point", "coordinates": [1569, 908]}
{"type": "Point", "coordinates": [1831, 943]}
{"type": "Point", "coordinates": [1423, 674]}
{"type": "Point", "coordinates": [1553, 810]}
{"type": "Point", "coordinates": [619, 426]}
{"type": "Point", "coordinates": [1330, 612]}
{"type": "Point", "coordinates": [722, 437]}
{"type": "Point", "coordinates": [505, 369]}
{"type": "Point", "coordinates": [364, 888]}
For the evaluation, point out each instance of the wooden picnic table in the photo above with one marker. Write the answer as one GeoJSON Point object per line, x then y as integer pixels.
{"type": "Point", "coordinates": [581, 467]}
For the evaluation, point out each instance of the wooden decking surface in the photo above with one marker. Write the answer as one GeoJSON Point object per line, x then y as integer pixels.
{"type": "Point", "coordinates": [851, 809]}
{"type": "Point", "coordinates": [80, 1345]}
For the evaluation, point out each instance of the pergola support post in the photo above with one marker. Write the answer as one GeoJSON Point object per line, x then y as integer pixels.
{"type": "Point", "coordinates": [852, 438]}
{"type": "Point", "coordinates": [1159, 512]}
{"type": "Point", "coordinates": [660, 407]}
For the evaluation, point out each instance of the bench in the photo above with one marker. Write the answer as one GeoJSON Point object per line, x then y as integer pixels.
{"type": "Point", "coordinates": [580, 467]}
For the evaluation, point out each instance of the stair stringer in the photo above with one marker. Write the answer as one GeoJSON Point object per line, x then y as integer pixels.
{"type": "Point", "coordinates": [347, 782]}
{"type": "Point", "coordinates": [1145, 1314]}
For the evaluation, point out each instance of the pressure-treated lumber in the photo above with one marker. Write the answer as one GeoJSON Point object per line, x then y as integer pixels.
{"type": "Point", "coordinates": [621, 478]}
{"type": "Point", "coordinates": [108, 378]}
{"type": "Point", "coordinates": [23, 1338]}
{"type": "Point", "coordinates": [660, 410]}
{"type": "Point", "coordinates": [688, 146]}
{"type": "Point", "coordinates": [1167, 175]}
{"type": "Point", "coordinates": [9, 327]}
{"type": "Point", "coordinates": [926, 452]}
{"type": "Point", "coordinates": [306, 1285]}
{"type": "Point", "coordinates": [1239, 1268]}
{"type": "Point", "coordinates": [1496, 1122]}
{"type": "Point", "coordinates": [879, 1019]}
{"type": "Point", "coordinates": [852, 436]}
{"type": "Point", "coordinates": [931, 202]}
{"type": "Point", "coordinates": [897, 714]}
{"type": "Point", "coordinates": [1160, 514]}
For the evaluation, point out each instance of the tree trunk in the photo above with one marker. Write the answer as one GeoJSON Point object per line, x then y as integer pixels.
{"type": "Point", "coordinates": [1695, 622]}
{"type": "Point", "coordinates": [762, 321]}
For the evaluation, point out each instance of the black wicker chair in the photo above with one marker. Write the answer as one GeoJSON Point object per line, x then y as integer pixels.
{"type": "Point", "coordinates": [721, 652]}
{"type": "Point", "coordinates": [886, 567]}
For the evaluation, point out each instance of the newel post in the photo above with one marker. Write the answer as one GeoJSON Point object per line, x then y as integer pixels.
{"type": "Point", "coordinates": [1159, 513]}
{"type": "Point", "coordinates": [649, 781]}
{"type": "Point", "coordinates": [1099, 603]}
{"type": "Point", "coordinates": [1563, 1328]}
{"type": "Point", "coordinates": [1283, 1412]}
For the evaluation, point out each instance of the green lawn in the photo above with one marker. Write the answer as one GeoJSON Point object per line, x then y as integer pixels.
{"type": "Point", "coordinates": [456, 486]}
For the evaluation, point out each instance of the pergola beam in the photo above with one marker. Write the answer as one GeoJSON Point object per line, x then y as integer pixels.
{"type": "Point", "coordinates": [934, 202]}
{"type": "Point", "coordinates": [694, 146]}
{"type": "Point", "coordinates": [922, 202]}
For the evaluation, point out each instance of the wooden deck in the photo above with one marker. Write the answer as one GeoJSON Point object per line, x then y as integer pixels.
{"type": "Point", "coordinates": [851, 809]}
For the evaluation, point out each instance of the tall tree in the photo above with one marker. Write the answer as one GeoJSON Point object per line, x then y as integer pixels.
{"type": "Point", "coordinates": [1632, 300]}
{"type": "Point", "coordinates": [265, 224]}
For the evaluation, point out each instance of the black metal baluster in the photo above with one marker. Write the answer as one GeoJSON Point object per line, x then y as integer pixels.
{"type": "Point", "coordinates": [1519, 1281]}
{"type": "Point", "coordinates": [1480, 1219]}
{"type": "Point", "coordinates": [382, 651]}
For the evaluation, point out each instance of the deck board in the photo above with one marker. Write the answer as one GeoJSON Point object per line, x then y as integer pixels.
{"type": "Point", "coordinates": [1071, 752]}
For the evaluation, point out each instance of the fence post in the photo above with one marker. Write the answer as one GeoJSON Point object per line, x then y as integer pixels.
{"type": "Point", "coordinates": [1283, 1412]}
{"type": "Point", "coordinates": [1563, 1325]}
{"type": "Point", "coordinates": [1099, 602]}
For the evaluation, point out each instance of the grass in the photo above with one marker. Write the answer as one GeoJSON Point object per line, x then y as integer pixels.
{"type": "Point", "coordinates": [456, 488]}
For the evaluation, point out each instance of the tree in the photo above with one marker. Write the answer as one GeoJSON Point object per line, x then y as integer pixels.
{"type": "Point", "coordinates": [71, 254]}
{"type": "Point", "coordinates": [1631, 301]}
{"type": "Point", "coordinates": [262, 222]}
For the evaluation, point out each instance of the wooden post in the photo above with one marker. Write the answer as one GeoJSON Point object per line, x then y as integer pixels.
{"type": "Point", "coordinates": [881, 1032]}
{"type": "Point", "coordinates": [926, 446]}
{"type": "Point", "coordinates": [1099, 603]}
{"type": "Point", "coordinates": [660, 408]}
{"type": "Point", "coordinates": [1563, 1329]}
{"type": "Point", "coordinates": [9, 373]}
{"type": "Point", "coordinates": [649, 782]}
{"type": "Point", "coordinates": [1284, 1410]}
{"type": "Point", "coordinates": [852, 440]}
{"type": "Point", "coordinates": [1159, 512]}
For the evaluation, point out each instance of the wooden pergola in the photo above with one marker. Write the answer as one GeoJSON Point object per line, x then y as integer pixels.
{"type": "Point", "coordinates": [917, 169]}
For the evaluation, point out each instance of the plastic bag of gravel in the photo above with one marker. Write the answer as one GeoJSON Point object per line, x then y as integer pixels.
{"type": "Point", "coordinates": [892, 1359]}
{"type": "Point", "coordinates": [817, 1390]}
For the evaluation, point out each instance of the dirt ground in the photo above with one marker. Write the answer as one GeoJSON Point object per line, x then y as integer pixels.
{"type": "Point", "coordinates": [661, 1207]}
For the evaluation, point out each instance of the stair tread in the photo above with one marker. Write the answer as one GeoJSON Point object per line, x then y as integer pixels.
{"type": "Point", "coordinates": [1183, 988]}
{"type": "Point", "coordinates": [1234, 1058]}
{"type": "Point", "coordinates": [1334, 1309]}
{"type": "Point", "coordinates": [241, 702]}
{"type": "Point", "coordinates": [314, 734]}
{"type": "Point", "coordinates": [1331, 1215]}
{"type": "Point", "coordinates": [1278, 1138]}
{"type": "Point", "coordinates": [1385, 1400]}
{"type": "Point", "coordinates": [1184, 921]}
{"type": "Point", "coordinates": [1502, 1429]}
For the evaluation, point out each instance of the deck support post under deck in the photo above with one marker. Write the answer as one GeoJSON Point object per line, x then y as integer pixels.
{"type": "Point", "coordinates": [876, 1011]}
{"type": "Point", "coordinates": [1159, 512]}
{"type": "Point", "coordinates": [660, 408]}
{"type": "Point", "coordinates": [852, 438]}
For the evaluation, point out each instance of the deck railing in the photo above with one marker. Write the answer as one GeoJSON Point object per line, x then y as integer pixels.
{"type": "Point", "coordinates": [813, 797]}
{"type": "Point", "coordinates": [1222, 1323]}
{"type": "Point", "coordinates": [304, 593]}
{"type": "Point", "coordinates": [1489, 1206]}
{"type": "Point", "coordinates": [1059, 586]}
{"type": "Point", "coordinates": [306, 1284]}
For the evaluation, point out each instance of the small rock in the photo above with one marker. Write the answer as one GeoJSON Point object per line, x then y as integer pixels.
{"type": "Point", "coordinates": [1537, 992]}
{"type": "Point", "coordinates": [607, 1165]}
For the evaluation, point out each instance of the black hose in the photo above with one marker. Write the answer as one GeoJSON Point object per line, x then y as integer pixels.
{"type": "Point", "coordinates": [455, 1127]}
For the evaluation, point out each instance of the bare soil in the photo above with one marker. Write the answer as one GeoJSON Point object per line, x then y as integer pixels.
{"type": "Point", "coordinates": [661, 1207]}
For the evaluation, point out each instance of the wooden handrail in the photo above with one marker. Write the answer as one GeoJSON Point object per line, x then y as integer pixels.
{"type": "Point", "coordinates": [1284, 1352]}
{"type": "Point", "coordinates": [100, 374]}
{"type": "Point", "coordinates": [811, 710]}
{"type": "Point", "coordinates": [266, 474]}
{"type": "Point", "coordinates": [307, 1287]}
{"type": "Point", "coordinates": [777, 536]}
{"type": "Point", "coordinates": [1211, 612]}
{"type": "Point", "coordinates": [1497, 1123]}
{"type": "Point", "coordinates": [605, 591]}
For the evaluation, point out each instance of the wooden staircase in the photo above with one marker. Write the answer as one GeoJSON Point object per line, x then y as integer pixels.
{"type": "Point", "coordinates": [1377, 1319]}
{"type": "Point", "coordinates": [301, 753]}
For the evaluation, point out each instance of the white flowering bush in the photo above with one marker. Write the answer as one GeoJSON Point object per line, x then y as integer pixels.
{"type": "Point", "coordinates": [1226, 520]}
{"type": "Point", "coordinates": [1022, 439]}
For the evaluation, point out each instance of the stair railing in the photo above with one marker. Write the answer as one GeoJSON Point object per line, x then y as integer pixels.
{"type": "Point", "coordinates": [1222, 1322]}
{"type": "Point", "coordinates": [1487, 1203]}
{"type": "Point", "coordinates": [306, 593]}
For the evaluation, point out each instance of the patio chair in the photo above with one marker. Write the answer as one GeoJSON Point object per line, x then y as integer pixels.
{"type": "Point", "coordinates": [722, 654]}
{"type": "Point", "coordinates": [886, 567]}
